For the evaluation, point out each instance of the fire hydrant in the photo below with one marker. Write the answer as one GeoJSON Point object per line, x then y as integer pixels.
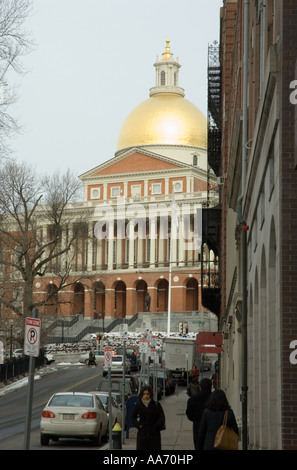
{"type": "Point", "coordinates": [117, 436]}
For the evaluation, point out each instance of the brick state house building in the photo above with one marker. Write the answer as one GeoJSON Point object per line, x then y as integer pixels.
{"type": "Point", "coordinates": [132, 232]}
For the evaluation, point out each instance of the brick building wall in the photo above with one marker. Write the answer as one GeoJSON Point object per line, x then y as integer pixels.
{"type": "Point", "coordinates": [288, 172]}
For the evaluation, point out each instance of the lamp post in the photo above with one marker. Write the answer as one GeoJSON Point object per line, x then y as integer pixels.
{"type": "Point", "coordinates": [10, 353]}
{"type": "Point", "coordinates": [101, 316]}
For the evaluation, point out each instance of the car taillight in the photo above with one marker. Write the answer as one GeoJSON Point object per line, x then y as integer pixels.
{"type": "Point", "coordinates": [89, 415]}
{"type": "Point", "coordinates": [48, 414]}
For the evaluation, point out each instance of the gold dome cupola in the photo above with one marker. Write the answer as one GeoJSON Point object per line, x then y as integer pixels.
{"type": "Point", "coordinates": [166, 117]}
{"type": "Point", "coordinates": [167, 70]}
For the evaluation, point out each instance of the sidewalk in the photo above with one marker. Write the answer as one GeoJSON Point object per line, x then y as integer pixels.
{"type": "Point", "coordinates": [178, 434]}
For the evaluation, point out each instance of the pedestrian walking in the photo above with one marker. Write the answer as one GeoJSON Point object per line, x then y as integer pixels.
{"type": "Point", "coordinates": [194, 387]}
{"type": "Point", "coordinates": [196, 405]}
{"type": "Point", "coordinates": [214, 379]}
{"type": "Point", "coordinates": [91, 358]}
{"type": "Point", "coordinates": [194, 372]}
{"type": "Point", "coordinates": [148, 417]}
{"type": "Point", "coordinates": [212, 419]}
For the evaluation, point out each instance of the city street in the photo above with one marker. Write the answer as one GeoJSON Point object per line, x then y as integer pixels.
{"type": "Point", "coordinates": [13, 405]}
{"type": "Point", "coordinates": [65, 376]}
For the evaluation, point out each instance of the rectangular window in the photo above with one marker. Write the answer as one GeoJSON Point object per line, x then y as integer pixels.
{"type": "Point", "coordinates": [136, 191]}
{"type": "Point", "coordinates": [156, 188]}
{"type": "Point", "coordinates": [115, 191]}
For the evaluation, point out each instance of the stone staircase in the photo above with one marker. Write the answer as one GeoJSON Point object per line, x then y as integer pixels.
{"type": "Point", "coordinates": [76, 328]}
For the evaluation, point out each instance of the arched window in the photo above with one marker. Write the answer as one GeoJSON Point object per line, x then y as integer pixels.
{"type": "Point", "coordinates": [195, 160]}
{"type": "Point", "coordinates": [163, 78]}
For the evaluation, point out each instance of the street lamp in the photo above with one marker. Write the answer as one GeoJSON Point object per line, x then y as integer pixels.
{"type": "Point", "coordinates": [101, 315]}
{"type": "Point", "coordinates": [11, 341]}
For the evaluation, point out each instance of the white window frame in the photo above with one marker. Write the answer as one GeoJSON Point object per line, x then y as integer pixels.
{"type": "Point", "coordinates": [112, 189]}
{"type": "Point", "coordinates": [136, 190]}
{"type": "Point", "coordinates": [181, 186]}
{"type": "Point", "coordinates": [155, 189]}
{"type": "Point", "coordinates": [95, 196]}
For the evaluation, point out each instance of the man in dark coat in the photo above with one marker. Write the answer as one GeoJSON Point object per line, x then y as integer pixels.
{"type": "Point", "coordinates": [196, 405]}
{"type": "Point", "coordinates": [148, 417]}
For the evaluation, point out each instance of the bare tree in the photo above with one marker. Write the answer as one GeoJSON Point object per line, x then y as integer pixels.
{"type": "Point", "coordinates": [39, 222]}
{"type": "Point", "coordinates": [14, 43]}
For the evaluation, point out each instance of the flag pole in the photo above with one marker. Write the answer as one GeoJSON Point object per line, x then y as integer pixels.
{"type": "Point", "coordinates": [174, 221]}
{"type": "Point", "coordinates": [169, 284]}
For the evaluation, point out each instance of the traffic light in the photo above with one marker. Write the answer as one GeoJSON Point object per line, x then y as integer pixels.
{"type": "Point", "coordinates": [187, 329]}
{"type": "Point", "coordinates": [98, 337]}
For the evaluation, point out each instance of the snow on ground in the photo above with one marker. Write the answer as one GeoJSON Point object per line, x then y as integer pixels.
{"type": "Point", "coordinates": [24, 381]}
{"type": "Point", "coordinates": [111, 339]}
{"type": "Point", "coordinates": [60, 349]}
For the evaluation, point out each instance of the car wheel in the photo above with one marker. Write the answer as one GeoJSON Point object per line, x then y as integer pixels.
{"type": "Point", "coordinates": [44, 440]}
{"type": "Point", "coordinates": [98, 439]}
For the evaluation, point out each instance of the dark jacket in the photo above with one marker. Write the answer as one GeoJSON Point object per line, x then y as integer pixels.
{"type": "Point", "coordinates": [149, 421]}
{"type": "Point", "coordinates": [210, 422]}
{"type": "Point", "coordinates": [194, 411]}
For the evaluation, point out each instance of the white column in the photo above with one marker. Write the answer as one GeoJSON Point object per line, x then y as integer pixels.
{"type": "Point", "coordinates": [153, 243]}
{"type": "Point", "coordinates": [90, 247]}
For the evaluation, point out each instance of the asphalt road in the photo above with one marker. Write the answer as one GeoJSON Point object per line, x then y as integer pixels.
{"type": "Point", "coordinates": [13, 407]}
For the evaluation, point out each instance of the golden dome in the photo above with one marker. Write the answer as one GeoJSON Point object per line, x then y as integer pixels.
{"type": "Point", "coordinates": [164, 119]}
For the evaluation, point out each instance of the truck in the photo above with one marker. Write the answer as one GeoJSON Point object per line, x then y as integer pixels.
{"type": "Point", "coordinates": [180, 355]}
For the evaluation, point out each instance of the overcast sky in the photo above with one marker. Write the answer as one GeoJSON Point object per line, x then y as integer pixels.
{"type": "Point", "coordinates": [93, 63]}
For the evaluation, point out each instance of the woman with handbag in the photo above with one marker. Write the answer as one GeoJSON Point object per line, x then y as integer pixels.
{"type": "Point", "coordinates": [212, 419]}
{"type": "Point", "coordinates": [148, 417]}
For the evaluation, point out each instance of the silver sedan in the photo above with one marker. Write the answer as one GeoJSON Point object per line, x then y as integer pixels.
{"type": "Point", "coordinates": [73, 415]}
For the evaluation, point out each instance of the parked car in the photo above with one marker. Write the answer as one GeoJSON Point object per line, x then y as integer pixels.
{"type": "Point", "coordinates": [117, 364]}
{"type": "Point", "coordinates": [49, 358]}
{"type": "Point", "coordinates": [116, 410]}
{"type": "Point", "coordinates": [205, 363]}
{"type": "Point", "coordinates": [164, 376]}
{"type": "Point", "coordinates": [131, 378]}
{"type": "Point", "coordinates": [73, 415]}
{"type": "Point", "coordinates": [118, 398]}
{"type": "Point", "coordinates": [18, 353]}
{"type": "Point", "coordinates": [99, 357]}
{"type": "Point", "coordinates": [133, 355]}
{"type": "Point", "coordinates": [117, 386]}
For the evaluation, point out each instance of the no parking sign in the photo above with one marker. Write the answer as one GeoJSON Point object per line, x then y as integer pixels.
{"type": "Point", "coordinates": [32, 337]}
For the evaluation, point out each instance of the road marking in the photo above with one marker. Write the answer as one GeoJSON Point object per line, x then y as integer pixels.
{"type": "Point", "coordinates": [99, 374]}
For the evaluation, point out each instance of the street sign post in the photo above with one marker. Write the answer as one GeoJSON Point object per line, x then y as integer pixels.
{"type": "Point", "coordinates": [31, 348]}
{"type": "Point", "coordinates": [32, 337]}
{"type": "Point", "coordinates": [107, 362]}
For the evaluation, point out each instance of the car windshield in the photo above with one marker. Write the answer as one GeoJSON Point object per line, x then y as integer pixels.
{"type": "Point", "coordinates": [115, 386]}
{"type": "Point", "coordinates": [129, 352]}
{"type": "Point", "coordinates": [117, 359]}
{"type": "Point", "coordinates": [82, 401]}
